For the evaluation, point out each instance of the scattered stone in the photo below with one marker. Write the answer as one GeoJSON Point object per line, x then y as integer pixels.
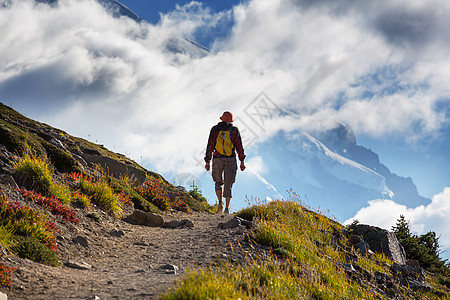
{"type": "Point", "coordinates": [248, 224]}
{"type": "Point", "coordinates": [169, 269]}
{"type": "Point", "coordinates": [81, 241]}
{"type": "Point", "coordinates": [172, 224]}
{"type": "Point", "coordinates": [3, 296]}
{"type": "Point", "coordinates": [78, 265]}
{"type": "Point", "coordinates": [181, 188]}
{"type": "Point", "coordinates": [179, 224]}
{"type": "Point", "coordinates": [349, 268]}
{"type": "Point", "coordinates": [117, 233]}
{"type": "Point", "coordinates": [95, 216]}
{"type": "Point", "coordinates": [141, 271]}
{"type": "Point", "coordinates": [109, 282]}
{"type": "Point", "coordinates": [233, 223]}
{"type": "Point", "coordinates": [188, 223]}
{"type": "Point", "coordinates": [139, 217]}
{"type": "Point", "coordinates": [416, 284]}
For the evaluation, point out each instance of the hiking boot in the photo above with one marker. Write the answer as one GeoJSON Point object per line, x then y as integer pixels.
{"type": "Point", "coordinates": [219, 208]}
{"type": "Point", "coordinates": [226, 211]}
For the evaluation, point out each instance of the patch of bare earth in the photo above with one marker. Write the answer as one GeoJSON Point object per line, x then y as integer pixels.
{"type": "Point", "coordinates": [127, 261]}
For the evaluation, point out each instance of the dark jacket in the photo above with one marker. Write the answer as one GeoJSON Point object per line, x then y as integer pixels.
{"type": "Point", "coordinates": [235, 137]}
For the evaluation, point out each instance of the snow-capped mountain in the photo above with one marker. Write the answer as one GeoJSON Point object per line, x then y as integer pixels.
{"type": "Point", "coordinates": [328, 170]}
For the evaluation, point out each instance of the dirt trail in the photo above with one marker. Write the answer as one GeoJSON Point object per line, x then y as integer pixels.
{"type": "Point", "coordinates": [129, 266]}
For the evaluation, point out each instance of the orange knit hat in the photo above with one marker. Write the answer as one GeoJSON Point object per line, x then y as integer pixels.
{"type": "Point", "coordinates": [227, 117]}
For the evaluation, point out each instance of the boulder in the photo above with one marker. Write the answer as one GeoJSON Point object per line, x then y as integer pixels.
{"type": "Point", "coordinates": [140, 217]}
{"type": "Point", "coordinates": [233, 223]}
{"type": "Point", "coordinates": [381, 241]}
{"type": "Point", "coordinates": [3, 296]}
{"type": "Point", "coordinates": [114, 167]}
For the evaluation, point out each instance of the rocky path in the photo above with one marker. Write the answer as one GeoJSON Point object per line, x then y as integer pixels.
{"type": "Point", "coordinates": [126, 261]}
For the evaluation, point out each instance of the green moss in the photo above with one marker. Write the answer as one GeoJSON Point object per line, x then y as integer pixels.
{"type": "Point", "coordinates": [31, 248]}
{"type": "Point", "coordinates": [61, 160]}
{"type": "Point", "coordinates": [16, 140]}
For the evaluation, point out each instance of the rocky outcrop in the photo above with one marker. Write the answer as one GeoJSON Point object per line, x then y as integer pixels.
{"type": "Point", "coordinates": [381, 241]}
{"type": "Point", "coordinates": [114, 167]}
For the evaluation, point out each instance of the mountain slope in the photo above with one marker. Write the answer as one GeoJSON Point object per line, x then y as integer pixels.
{"type": "Point", "coordinates": [327, 169]}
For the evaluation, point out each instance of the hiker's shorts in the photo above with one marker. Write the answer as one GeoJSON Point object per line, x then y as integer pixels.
{"type": "Point", "coordinates": [224, 171]}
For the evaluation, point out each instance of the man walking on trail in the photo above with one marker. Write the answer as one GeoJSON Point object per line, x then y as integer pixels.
{"type": "Point", "coordinates": [223, 143]}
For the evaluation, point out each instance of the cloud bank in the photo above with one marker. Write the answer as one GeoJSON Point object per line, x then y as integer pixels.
{"type": "Point", "coordinates": [115, 81]}
{"type": "Point", "coordinates": [432, 217]}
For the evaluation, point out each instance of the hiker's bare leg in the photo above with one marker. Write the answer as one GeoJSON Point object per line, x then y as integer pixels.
{"type": "Point", "coordinates": [219, 197]}
{"type": "Point", "coordinates": [227, 203]}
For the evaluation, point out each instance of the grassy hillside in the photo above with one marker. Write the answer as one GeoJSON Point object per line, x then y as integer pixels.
{"type": "Point", "coordinates": [308, 259]}
{"type": "Point", "coordinates": [56, 185]}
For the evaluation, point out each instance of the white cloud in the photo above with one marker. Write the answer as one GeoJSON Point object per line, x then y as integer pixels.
{"type": "Point", "coordinates": [113, 80]}
{"type": "Point", "coordinates": [432, 217]}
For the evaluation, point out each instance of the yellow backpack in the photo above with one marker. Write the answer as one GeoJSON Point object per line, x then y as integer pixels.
{"type": "Point", "coordinates": [223, 143]}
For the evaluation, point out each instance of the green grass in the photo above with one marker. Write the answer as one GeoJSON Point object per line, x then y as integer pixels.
{"type": "Point", "coordinates": [6, 233]}
{"type": "Point", "coordinates": [102, 195]}
{"type": "Point", "coordinates": [35, 173]}
{"type": "Point", "coordinates": [125, 185]}
{"type": "Point", "coordinates": [299, 269]}
{"type": "Point", "coordinates": [307, 250]}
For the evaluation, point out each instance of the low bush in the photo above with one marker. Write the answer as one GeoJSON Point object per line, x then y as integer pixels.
{"type": "Point", "coordinates": [24, 221]}
{"type": "Point", "coordinates": [31, 248]}
{"type": "Point", "coordinates": [52, 204]}
{"type": "Point", "coordinates": [5, 274]}
{"type": "Point", "coordinates": [100, 193]}
{"type": "Point", "coordinates": [154, 192]}
{"type": "Point", "coordinates": [34, 173]}
{"type": "Point", "coordinates": [82, 200]}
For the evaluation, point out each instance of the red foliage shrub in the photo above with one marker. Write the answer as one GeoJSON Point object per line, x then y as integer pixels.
{"type": "Point", "coordinates": [5, 274]}
{"type": "Point", "coordinates": [52, 204]}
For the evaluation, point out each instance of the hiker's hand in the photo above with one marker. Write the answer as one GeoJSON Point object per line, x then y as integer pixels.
{"type": "Point", "coordinates": [242, 166]}
{"type": "Point", "coordinates": [207, 166]}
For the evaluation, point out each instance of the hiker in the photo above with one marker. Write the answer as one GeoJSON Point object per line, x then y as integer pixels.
{"type": "Point", "coordinates": [223, 143]}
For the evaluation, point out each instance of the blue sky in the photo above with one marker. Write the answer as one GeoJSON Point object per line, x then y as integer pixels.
{"type": "Point", "coordinates": [152, 10]}
{"type": "Point", "coordinates": [381, 67]}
